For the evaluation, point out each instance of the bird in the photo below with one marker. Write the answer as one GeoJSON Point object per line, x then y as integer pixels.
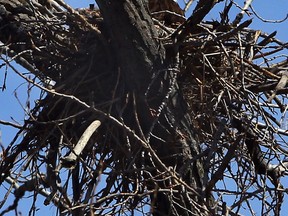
{"type": "Point", "coordinates": [281, 85]}
{"type": "Point", "coordinates": [166, 10]}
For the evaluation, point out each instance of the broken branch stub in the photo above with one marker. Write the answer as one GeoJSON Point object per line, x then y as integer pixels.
{"type": "Point", "coordinates": [70, 160]}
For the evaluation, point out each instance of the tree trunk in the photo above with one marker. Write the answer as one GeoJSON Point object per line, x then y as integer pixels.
{"type": "Point", "coordinates": [149, 73]}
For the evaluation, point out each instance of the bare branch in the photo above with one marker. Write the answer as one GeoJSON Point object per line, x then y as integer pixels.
{"type": "Point", "coordinates": [70, 160]}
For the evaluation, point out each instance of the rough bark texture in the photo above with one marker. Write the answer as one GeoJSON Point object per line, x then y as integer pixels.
{"type": "Point", "coordinates": [141, 57]}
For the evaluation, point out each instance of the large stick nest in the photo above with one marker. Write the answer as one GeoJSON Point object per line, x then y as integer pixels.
{"type": "Point", "coordinates": [228, 74]}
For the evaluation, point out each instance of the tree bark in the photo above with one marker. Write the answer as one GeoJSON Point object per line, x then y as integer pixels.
{"type": "Point", "coordinates": [140, 55]}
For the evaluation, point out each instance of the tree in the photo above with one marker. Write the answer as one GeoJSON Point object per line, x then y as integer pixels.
{"type": "Point", "coordinates": [143, 107]}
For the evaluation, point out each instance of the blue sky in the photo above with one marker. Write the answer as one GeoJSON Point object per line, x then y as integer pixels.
{"type": "Point", "coordinates": [11, 106]}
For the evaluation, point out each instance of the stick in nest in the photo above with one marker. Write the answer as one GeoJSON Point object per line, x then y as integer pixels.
{"type": "Point", "coordinates": [281, 84]}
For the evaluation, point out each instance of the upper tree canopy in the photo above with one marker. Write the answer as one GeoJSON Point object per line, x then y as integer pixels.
{"type": "Point", "coordinates": [145, 110]}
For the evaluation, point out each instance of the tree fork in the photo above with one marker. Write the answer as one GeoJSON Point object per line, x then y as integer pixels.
{"type": "Point", "coordinates": [140, 55]}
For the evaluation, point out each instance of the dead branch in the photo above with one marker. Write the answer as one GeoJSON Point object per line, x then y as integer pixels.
{"type": "Point", "coordinates": [70, 160]}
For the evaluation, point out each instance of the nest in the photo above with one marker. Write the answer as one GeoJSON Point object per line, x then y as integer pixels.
{"type": "Point", "coordinates": [229, 78]}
